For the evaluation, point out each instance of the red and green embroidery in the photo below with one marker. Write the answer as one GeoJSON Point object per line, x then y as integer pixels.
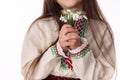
{"type": "Point", "coordinates": [81, 53]}
{"type": "Point", "coordinates": [55, 52]}
{"type": "Point", "coordinates": [66, 63]}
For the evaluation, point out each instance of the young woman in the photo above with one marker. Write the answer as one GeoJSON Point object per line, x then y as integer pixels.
{"type": "Point", "coordinates": [53, 50]}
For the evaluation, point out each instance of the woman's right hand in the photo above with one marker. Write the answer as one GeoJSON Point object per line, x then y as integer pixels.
{"type": "Point", "coordinates": [64, 39]}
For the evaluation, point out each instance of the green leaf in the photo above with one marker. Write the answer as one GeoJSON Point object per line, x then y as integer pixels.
{"type": "Point", "coordinates": [71, 22]}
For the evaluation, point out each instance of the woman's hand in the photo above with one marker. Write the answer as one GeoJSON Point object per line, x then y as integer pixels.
{"type": "Point", "coordinates": [69, 37]}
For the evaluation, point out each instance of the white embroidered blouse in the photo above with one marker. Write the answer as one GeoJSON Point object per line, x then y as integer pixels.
{"type": "Point", "coordinates": [92, 66]}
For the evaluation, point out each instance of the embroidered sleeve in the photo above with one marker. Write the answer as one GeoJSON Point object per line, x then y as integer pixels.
{"type": "Point", "coordinates": [66, 62]}
{"type": "Point", "coordinates": [58, 51]}
{"type": "Point", "coordinates": [80, 51]}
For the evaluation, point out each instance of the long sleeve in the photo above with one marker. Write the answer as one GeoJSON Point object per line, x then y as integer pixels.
{"type": "Point", "coordinates": [96, 64]}
{"type": "Point", "coordinates": [88, 67]}
{"type": "Point", "coordinates": [35, 44]}
{"type": "Point", "coordinates": [46, 64]}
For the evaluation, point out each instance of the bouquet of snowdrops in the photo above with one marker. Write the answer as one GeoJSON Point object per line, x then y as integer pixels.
{"type": "Point", "coordinates": [71, 16]}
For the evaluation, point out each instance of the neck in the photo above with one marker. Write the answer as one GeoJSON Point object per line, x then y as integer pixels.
{"type": "Point", "coordinates": [78, 7]}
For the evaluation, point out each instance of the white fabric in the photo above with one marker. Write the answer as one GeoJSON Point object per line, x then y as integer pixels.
{"type": "Point", "coordinates": [60, 50]}
{"type": "Point", "coordinates": [41, 35]}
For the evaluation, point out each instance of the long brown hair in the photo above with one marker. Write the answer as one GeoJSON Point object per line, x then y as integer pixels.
{"type": "Point", "coordinates": [52, 9]}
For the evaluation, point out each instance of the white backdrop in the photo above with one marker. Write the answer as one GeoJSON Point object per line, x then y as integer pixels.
{"type": "Point", "coordinates": [15, 18]}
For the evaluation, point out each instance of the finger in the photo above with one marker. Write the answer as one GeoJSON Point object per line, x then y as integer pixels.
{"type": "Point", "coordinates": [67, 29]}
{"type": "Point", "coordinates": [64, 38]}
{"type": "Point", "coordinates": [74, 42]}
{"type": "Point", "coordinates": [71, 43]}
{"type": "Point", "coordinates": [66, 43]}
{"type": "Point", "coordinates": [67, 26]}
{"type": "Point", "coordinates": [73, 36]}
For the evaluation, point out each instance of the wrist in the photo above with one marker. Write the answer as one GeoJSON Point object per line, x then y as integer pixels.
{"type": "Point", "coordinates": [83, 48]}
{"type": "Point", "coordinates": [65, 49]}
{"type": "Point", "coordinates": [74, 47]}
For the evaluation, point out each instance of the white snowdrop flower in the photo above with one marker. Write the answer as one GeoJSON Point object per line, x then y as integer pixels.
{"type": "Point", "coordinates": [64, 12]}
{"type": "Point", "coordinates": [62, 18]}
{"type": "Point", "coordinates": [71, 14]}
{"type": "Point", "coordinates": [69, 17]}
{"type": "Point", "coordinates": [68, 10]}
{"type": "Point", "coordinates": [79, 12]}
{"type": "Point", "coordinates": [75, 17]}
{"type": "Point", "coordinates": [65, 20]}
{"type": "Point", "coordinates": [85, 17]}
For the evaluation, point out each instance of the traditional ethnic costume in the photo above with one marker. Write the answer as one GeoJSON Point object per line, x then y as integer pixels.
{"type": "Point", "coordinates": [86, 62]}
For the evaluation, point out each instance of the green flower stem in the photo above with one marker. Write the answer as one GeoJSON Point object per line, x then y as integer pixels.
{"type": "Point", "coordinates": [71, 22]}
